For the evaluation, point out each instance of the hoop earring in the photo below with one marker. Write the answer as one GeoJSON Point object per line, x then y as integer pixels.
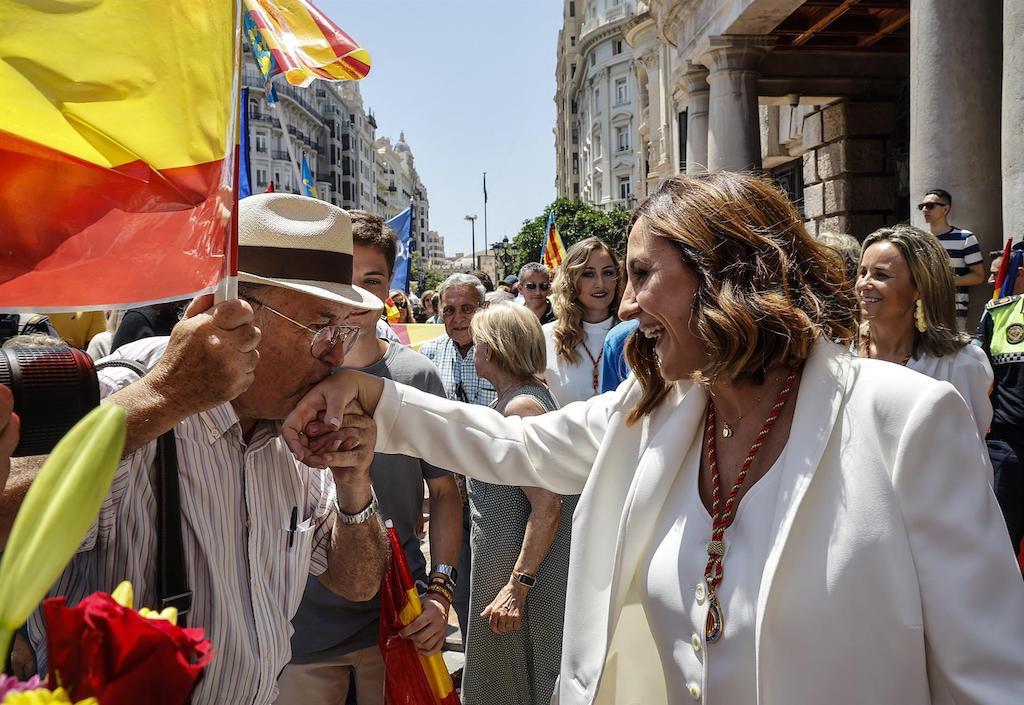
{"type": "Point", "coordinates": [919, 319]}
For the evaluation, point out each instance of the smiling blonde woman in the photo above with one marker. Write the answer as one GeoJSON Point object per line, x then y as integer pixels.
{"type": "Point", "coordinates": [586, 294]}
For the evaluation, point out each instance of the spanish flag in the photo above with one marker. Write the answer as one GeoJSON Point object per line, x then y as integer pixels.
{"type": "Point", "coordinates": [411, 679]}
{"type": "Point", "coordinates": [552, 252]}
{"type": "Point", "coordinates": [117, 126]}
{"type": "Point", "coordinates": [413, 335]}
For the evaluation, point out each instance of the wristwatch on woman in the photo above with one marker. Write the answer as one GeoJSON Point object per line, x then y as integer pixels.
{"type": "Point", "coordinates": [524, 578]}
{"type": "Point", "coordinates": [359, 517]}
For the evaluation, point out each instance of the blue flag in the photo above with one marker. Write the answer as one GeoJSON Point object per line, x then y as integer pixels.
{"type": "Point", "coordinates": [244, 174]}
{"type": "Point", "coordinates": [307, 179]}
{"type": "Point", "coordinates": [402, 225]}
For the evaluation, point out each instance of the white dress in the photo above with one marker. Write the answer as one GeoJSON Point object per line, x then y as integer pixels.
{"type": "Point", "coordinates": [969, 371]}
{"type": "Point", "coordinates": [567, 382]}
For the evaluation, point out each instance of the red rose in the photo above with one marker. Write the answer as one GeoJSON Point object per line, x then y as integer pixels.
{"type": "Point", "coordinates": [103, 650]}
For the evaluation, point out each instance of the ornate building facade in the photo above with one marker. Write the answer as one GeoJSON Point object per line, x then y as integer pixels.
{"type": "Point", "coordinates": [596, 90]}
{"type": "Point", "coordinates": [851, 112]}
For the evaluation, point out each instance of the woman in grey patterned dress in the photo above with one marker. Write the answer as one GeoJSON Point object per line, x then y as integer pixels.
{"type": "Point", "coordinates": [520, 536]}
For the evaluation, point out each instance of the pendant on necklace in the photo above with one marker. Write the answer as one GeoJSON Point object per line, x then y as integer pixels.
{"type": "Point", "coordinates": [715, 621]}
{"type": "Point", "coordinates": [596, 379]}
{"type": "Point", "coordinates": [726, 429]}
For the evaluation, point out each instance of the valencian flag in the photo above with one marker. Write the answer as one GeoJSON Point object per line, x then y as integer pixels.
{"type": "Point", "coordinates": [411, 679]}
{"type": "Point", "coordinates": [552, 251]}
{"type": "Point", "coordinates": [308, 189]}
{"type": "Point", "coordinates": [305, 44]}
{"type": "Point", "coordinates": [261, 53]}
{"type": "Point", "coordinates": [117, 129]}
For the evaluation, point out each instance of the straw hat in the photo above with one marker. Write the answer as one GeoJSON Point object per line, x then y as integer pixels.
{"type": "Point", "coordinates": [299, 243]}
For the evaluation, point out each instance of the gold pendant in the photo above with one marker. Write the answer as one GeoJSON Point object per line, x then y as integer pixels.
{"type": "Point", "coordinates": [715, 622]}
{"type": "Point", "coordinates": [726, 430]}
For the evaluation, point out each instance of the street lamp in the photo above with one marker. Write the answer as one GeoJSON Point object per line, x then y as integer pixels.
{"type": "Point", "coordinates": [472, 225]}
{"type": "Point", "coordinates": [505, 252]}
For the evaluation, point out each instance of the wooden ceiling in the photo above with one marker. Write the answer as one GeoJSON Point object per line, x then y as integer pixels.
{"type": "Point", "coordinates": [851, 25]}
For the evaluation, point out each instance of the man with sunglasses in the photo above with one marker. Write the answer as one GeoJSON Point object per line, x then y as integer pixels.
{"type": "Point", "coordinates": [254, 521]}
{"type": "Point", "coordinates": [535, 287]}
{"type": "Point", "coordinates": [961, 246]}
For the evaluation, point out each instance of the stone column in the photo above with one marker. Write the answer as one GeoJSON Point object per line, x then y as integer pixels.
{"type": "Point", "coordinates": [734, 135]}
{"type": "Point", "coordinates": [955, 116]}
{"type": "Point", "coordinates": [695, 83]}
{"type": "Point", "coordinates": [1013, 119]}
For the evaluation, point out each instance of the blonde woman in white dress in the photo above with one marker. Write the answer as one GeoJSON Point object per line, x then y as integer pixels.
{"type": "Point", "coordinates": [586, 295]}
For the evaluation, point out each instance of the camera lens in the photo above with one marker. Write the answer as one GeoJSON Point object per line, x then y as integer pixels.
{"type": "Point", "coordinates": [53, 388]}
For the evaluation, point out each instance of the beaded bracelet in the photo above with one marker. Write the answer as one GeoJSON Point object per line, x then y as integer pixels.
{"type": "Point", "coordinates": [443, 592]}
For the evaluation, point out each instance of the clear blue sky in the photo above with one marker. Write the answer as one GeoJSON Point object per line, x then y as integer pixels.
{"type": "Point", "coordinates": [472, 84]}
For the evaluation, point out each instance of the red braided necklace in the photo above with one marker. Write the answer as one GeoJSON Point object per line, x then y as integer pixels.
{"type": "Point", "coordinates": [721, 517]}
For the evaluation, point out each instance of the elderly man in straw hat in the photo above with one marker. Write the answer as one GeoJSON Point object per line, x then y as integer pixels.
{"type": "Point", "coordinates": [254, 522]}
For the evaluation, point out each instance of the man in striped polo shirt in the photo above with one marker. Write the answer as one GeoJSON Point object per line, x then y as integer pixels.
{"type": "Point", "coordinates": [255, 522]}
{"type": "Point", "coordinates": [961, 246]}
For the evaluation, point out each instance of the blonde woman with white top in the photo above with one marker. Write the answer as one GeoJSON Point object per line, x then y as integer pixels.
{"type": "Point", "coordinates": [586, 294]}
{"type": "Point", "coordinates": [907, 307]}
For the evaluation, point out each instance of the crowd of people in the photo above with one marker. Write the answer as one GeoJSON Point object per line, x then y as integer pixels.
{"type": "Point", "coordinates": [734, 463]}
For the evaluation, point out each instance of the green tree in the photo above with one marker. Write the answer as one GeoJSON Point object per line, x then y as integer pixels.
{"type": "Point", "coordinates": [576, 221]}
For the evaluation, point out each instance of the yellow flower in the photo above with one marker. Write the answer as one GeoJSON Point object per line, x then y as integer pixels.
{"type": "Point", "coordinates": [124, 595]}
{"type": "Point", "coordinates": [44, 696]}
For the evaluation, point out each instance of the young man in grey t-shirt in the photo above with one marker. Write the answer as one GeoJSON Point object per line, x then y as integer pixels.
{"type": "Point", "coordinates": [336, 639]}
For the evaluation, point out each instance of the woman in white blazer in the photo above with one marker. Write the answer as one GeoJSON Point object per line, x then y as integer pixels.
{"type": "Point", "coordinates": [866, 562]}
{"type": "Point", "coordinates": [908, 312]}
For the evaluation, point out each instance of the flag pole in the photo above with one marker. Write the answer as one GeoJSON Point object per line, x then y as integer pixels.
{"type": "Point", "coordinates": [227, 287]}
{"type": "Point", "coordinates": [485, 212]}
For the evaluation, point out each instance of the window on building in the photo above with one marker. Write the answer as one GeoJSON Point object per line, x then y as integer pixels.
{"type": "Point", "coordinates": [346, 191]}
{"type": "Point", "coordinates": [617, 45]}
{"type": "Point", "coordinates": [593, 59]}
{"type": "Point", "coordinates": [575, 163]}
{"type": "Point", "coordinates": [277, 178]}
{"type": "Point", "coordinates": [625, 188]}
{"type": "Point", "coordinates": [597, 100]}
{"type": "Point", "coordinates": [576, 189]}
{"type": "Point", "coordinates": [572, 70]}
{"type": "Point", "coordinates": [599, 190]}
{"type": "Point", "coordinates": [572, 8]}
{"type": "Point", "coordinates": [597, 145]}
{"type": "Point", "coordinates": [622, 138]}
{"type": "Point", "coordinates": [574, 106]}
{"type": "Point", "coordinates": [621, 91]}
{"type": "Point", "coordinates": [261, 178]}
{"type": "Point", "coordinates": [261, 142]}
{"type": "Point", "coordinates": [572, 40]}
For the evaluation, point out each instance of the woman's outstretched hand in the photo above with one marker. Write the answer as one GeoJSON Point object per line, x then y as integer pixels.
{"type": "Point", "coordinates": [321, 414]}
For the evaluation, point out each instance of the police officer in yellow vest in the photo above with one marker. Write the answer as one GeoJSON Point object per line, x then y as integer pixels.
{"type": "Point", "coordinates": [1001, 336]}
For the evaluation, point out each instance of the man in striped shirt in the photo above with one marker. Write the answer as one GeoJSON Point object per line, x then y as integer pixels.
{"type": "Point", "coordinates": [961, 246]}
{"type": "Point", "coordinates": [254, 521]}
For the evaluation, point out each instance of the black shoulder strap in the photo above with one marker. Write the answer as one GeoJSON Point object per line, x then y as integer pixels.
{"type": "Point", "coordinates": [171, 579]}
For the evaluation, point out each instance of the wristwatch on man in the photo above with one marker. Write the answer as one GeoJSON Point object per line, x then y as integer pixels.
{"type": "Point", "coordinates": [359, 517]}
{"type": "Point", "coordinates": [524, 578]}
{"type": "Point", "coordinates": [448, 571]}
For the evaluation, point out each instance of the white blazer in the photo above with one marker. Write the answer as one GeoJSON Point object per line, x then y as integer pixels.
{"type": "Point", "coordinates": [889, 578]}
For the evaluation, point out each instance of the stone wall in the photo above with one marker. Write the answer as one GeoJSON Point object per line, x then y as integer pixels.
{"type": "Point", "coordinates": [849, 186]}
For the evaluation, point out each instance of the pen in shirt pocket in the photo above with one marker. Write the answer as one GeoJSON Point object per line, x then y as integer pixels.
{"type": "Point", "coordinates": [292, 527]}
